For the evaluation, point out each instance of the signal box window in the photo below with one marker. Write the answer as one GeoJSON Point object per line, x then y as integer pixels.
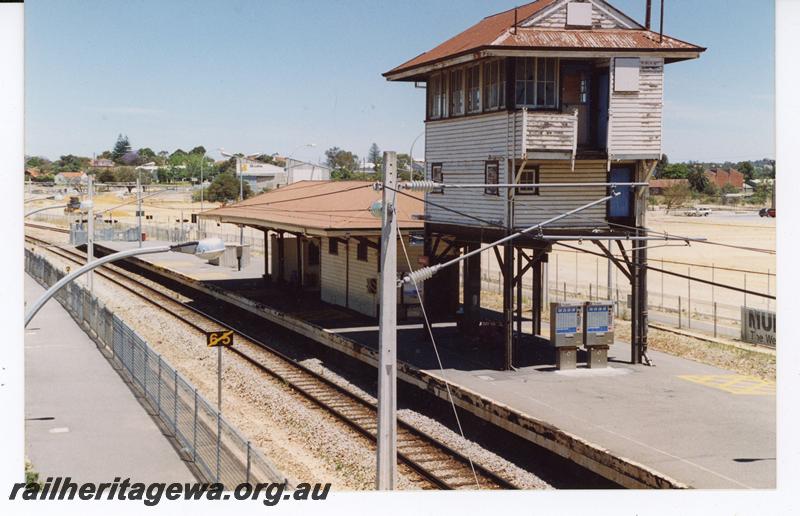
{"type": "Point", "coordinates": [361, 252]}
{"type": "Point", "coordinates": [333, 246]}
{"type": "Point", "coordinates": [530, 175]}
{"type": "Point", "coordinates": [491, 177]}
{"type": "Point", "coordinates": [437, 176]}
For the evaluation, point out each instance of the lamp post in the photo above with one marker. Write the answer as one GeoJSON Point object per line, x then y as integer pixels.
{"type": "Point", "coordinates": [411, 156]}
{"type": "Point", "coordinates": [208, 248]}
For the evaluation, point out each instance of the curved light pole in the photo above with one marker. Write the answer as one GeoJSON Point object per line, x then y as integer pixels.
{"type": "Point", "coordinates": [411, 155]}
{"type": "Point", "coordinates": [37, 210]}
{"type": "Point", "coordinates": [209, 248]}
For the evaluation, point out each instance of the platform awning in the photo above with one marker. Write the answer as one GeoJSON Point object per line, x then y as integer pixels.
{"type": "Point", "coordinates": [320, 208]}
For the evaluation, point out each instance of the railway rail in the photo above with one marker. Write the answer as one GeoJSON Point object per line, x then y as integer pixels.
{"type": "Point", "coordinates": [436, 463]}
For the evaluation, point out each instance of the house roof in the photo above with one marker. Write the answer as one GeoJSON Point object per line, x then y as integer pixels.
{"type": "Point", "coordinates": [666, 183]}
{"type": "Point", "coordinates": [499, 32]}
{"type": "Point", "coordinates": [319, 208]}
{"type": "Point", "coordinates": [70, 175]}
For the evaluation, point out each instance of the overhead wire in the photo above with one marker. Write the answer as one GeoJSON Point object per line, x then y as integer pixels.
{"type": "Point", "coordinates": [670, 273]}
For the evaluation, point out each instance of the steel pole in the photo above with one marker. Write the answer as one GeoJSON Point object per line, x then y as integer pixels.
{"type": "Point", "coordinates": [90, 235]}
{"type": "Point", "coordinates": [219, 378]}
{"type": "Point", "coordinates": [139, 206]}
{"type": "Point", "coordinates": [387, 372]}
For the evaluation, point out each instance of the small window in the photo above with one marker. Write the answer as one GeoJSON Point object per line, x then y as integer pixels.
{"type": "Point", "coordinates": [362, 251]}
{"type": "Point", "coordinates": [491, 177]}
{"type": "Point", "coordinates": [530, 175]}
{"type": "Point", "coordinates": [456, 92]}
{"type": "Point", "coordinates": [474, 89]}
{"type": "Point", "coordinates": [333, 246]}
{"type": "Point", "coordinates": [437, 176]}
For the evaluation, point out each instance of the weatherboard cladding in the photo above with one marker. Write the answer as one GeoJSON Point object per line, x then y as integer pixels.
{"type": "Point", "coordinates": [463, 145]}
{"type": "Point", "coordinates": [636, 117]}
{"type": "Point", "coordinates": [603, 16]}
{"type": "Point", "coordinates": [345, 284]}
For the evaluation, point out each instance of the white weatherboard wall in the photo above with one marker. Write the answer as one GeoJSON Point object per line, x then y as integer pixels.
{"type": "Point", "coordinates": [345, 284]}
{"type": "Point", "coordinates": [462, 146]}
{"type": "Point", "coordinates": [532, 209]}
{"type": "Point", "coordinates": [636, 116]}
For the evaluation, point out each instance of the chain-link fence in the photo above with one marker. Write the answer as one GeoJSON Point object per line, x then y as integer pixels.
{"type": "Point", "coordinates": [219, 451]}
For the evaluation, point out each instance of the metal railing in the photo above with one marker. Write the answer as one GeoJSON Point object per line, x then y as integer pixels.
{"type": "Point", "coordinates": [220, 453]}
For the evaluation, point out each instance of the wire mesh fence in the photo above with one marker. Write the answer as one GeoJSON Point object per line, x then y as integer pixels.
{"type": "Point", "coordinates": [220, 453]}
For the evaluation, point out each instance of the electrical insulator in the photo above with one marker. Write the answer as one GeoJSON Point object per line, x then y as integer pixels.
{"type": "Point", "coordinates": [420, 275]}
{"type": "Point", "coordinates": [420, 186]}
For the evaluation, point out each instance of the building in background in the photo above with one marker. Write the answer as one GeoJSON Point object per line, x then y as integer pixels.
{"type": "Point", "coordinates": [297, 170]}
{"type": "Point", "coordinates": [260, 176]}
{"type": "Point", "coordinates": [102, 163]}
{"type": "Point", "coordinates": [71, 178]}
{"type": "Point", "coordinates": [657, 186]}
{"type": "Point", "coordinates": [721, 178]}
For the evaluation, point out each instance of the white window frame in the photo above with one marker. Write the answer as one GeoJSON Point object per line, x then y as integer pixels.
{"type": "Point", "coordinates": [473, 92]}
{"type": "Point", "coordinates": [457, 106]}
{"type": "Point", "coordinates": [494, 79]}
{"type": "Point", "coordinates": [535, 82]}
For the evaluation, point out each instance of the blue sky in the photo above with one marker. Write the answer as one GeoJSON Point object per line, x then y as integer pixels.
{"type": "Point", "coordinates": [271, 76]}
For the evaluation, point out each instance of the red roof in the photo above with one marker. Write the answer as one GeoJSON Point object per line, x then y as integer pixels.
{"type": "Point", "coordinates": [497, 32]}
{"type": "Point", "coordinates": [319, 207]}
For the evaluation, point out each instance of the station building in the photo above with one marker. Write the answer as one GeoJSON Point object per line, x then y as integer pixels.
{"type": "Point", "coordinates": [321, 237]}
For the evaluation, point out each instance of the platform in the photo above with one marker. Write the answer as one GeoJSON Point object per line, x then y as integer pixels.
{"type": "Point", "coordinates": [81, 419]}
{"type": "Point", "coordinates": [678, 424]}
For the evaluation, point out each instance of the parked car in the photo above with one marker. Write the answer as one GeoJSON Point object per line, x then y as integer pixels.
{"type": "Point", "coordinates": [698, 212]}
{"type": "Point", "coordinates": [767, 212]}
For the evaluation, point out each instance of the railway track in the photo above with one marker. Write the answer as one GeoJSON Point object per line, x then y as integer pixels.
{"type": "Point", "coordinates": [438, 464]}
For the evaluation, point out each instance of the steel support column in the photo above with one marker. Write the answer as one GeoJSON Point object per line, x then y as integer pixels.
{"type": "Point", "coordinates": [472, 291]}
{"type": "Point", "coordinates": [508, 305]}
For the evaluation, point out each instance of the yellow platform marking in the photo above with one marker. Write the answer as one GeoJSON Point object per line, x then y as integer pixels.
{"type": "Point", "coordinates": [734, 383]}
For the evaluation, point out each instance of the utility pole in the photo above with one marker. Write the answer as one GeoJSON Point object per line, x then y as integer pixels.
{"type": "Point", "coordinates": [201, 193]}
{"type": "Point", "coordinates": [608, 279]}
{"type": "Point", "coordinates": [241, 228]}
{"type": "Point", "coordinates": [90, 235]}
{"type": "Point", "coordinates": [139, 205]}
{"type": "Point", "coordinates": [387, 348]}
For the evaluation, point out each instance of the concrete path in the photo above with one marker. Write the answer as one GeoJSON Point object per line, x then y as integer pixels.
{"type": "Point", "coordinates": [81, 419]}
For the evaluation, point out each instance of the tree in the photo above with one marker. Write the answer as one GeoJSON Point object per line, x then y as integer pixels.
{"type": "Point", "coordinates": [698, 181]}
{"type": "Point", "coordinates": [225, 188]}
{"type": "Point", "coordinates": [675, 171]}
{"type": "Point", "coordinates": [106, 176]}
{"type": "Point", "coordinates": [71, 163]}
{"type": "Point", "coordinates": [676, 195]}
{"type": "Point", "coordinates": [121, 148]}
{"type": "Point", "coordinates": [198, 150]}
{"type": "Point", "coordinates": [344, 161]}
{"type": "Point", "coordinates": [747, 169]}
{"type": "Point", "coordinates": [147, 153]}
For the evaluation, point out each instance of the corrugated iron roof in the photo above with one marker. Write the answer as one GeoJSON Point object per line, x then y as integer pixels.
{"type": "Point", "coordinates": [319, 207]}
{"type": "Point", "coordinates": [498, 32]}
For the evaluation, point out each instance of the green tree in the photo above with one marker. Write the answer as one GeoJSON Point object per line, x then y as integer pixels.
{"type": "Point", "coordinates": [676, 195]}
{"type": "Point", "coordinates": [341, 162]}
{"type": "Point", "coordinates": [121, 148]}
{"type": "Point", "coordinates": [698, 181]}
{"type": "Point", "coordinates": [43, 164]}
{"type": "Point", "coordinates": [147, 154]}
{"type": "Point", "coordinates": [71, 163]}
{"type": "Point", "coordinates": [198, 150]}
{"type": "Point", "coordinates": [106, 176]}
{"type": "Point", "coordinates": [747, 169]}
{"type": "Point", "coordinates": [675, 171]}
{"type": "Point", "coordinates": [225, 188]}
